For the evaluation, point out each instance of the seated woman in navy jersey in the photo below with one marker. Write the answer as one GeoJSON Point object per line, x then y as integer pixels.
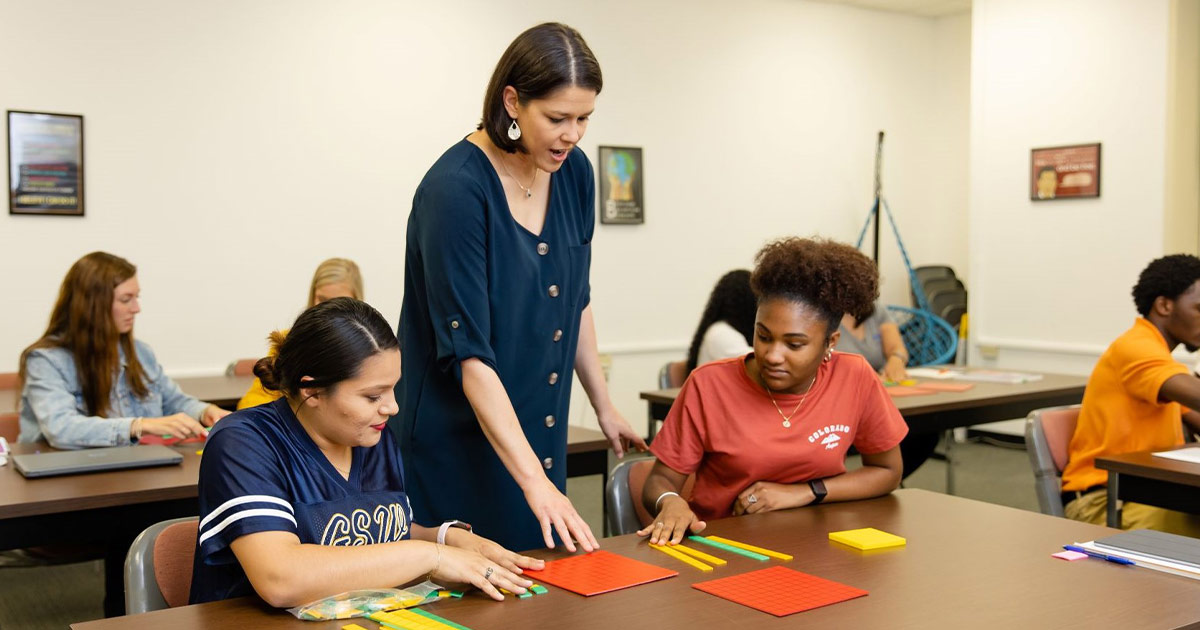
{"type": "Point", "coordinates": [303, 497]}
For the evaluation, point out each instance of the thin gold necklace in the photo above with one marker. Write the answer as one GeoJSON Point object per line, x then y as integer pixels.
{"type": "Point", "coordinates": [787, 420]}
{"type": "Point", "coordinates": [528, 189]}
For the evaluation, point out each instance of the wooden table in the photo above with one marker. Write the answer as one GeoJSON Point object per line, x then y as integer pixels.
{"type": "Point", "coordinates": [967, 565]}
{"type": "Point", "coordinates": [222, 391]}
{"type": "Point", "coordinates": [1143, 478]}
{"type": "Point", "coordinates": [934, 413]}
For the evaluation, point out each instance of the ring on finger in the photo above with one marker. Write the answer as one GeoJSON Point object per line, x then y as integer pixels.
{"type": "Point", "coordinates": [487, 575]}
{"type": "Point", "coordinates": [752, 499]}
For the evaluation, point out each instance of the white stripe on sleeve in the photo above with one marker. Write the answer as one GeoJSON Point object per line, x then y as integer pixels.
{"type": "Point", "coordinates": [245, 514]}
{"type": "Point", "coordinates": [250, 498]}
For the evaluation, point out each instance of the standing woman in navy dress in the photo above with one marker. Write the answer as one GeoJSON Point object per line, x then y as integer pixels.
{"type": "Point", "coordinates": [497, 305]}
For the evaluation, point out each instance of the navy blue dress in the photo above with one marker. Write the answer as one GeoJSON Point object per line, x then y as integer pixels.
{"type": "Point", "coordinates": [479, 285]}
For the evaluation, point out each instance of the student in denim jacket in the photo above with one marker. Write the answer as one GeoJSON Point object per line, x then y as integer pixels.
{"type": "Point", "coordinates": [87, 382]}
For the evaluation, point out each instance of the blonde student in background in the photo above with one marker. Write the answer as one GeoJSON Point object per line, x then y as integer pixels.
{"type": "Point", "coordinates": [334, 278]}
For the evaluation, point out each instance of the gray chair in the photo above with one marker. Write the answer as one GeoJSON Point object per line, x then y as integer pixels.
{"type": "Point", "coordinates": [158, 568]}
{"type": "Point", "coordinates": [671, 374]}
{"type": "Point", "coordinates": [624, 512]}
{"type": "Point", "coordinates": [1047, 434]}
{"type": "Point", "coordinates": [624, 502]}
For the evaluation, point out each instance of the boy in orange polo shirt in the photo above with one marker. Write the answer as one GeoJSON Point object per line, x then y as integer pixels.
{"type": "Point", "coordinates": [1136, 395]}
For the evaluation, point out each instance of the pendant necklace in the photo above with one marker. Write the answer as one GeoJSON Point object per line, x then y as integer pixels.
{"type": "Point", "coordinates": [787, 420]}
{"type": "Point", "coordinates": [528, 189]}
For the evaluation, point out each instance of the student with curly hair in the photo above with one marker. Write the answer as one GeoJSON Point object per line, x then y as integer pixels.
{"type": "Point", "coordinates": [770, 430]}
{"type": "Point", "coordinates": [727, 326]}
{"type": "Point", "coordinates": [1136, 395]}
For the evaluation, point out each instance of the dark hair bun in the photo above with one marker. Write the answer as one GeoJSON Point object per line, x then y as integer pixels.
{"type": "Point", "coordinates": [832, 277]}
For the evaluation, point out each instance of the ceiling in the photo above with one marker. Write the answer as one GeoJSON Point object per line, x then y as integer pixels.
{"type": "Point", "coordinates": [924, 8]}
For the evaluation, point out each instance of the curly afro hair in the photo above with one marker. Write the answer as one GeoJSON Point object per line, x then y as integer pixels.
{"type": "Point", "coordinates": [834, 278]}
{"type": "Point", "coordinates": [1169, 277]}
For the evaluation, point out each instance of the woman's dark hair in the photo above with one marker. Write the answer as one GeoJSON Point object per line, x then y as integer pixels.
{"type": "Point", "coordinates": [539, 61]}
{"type": "Point", "coordinates": [328, 343]}
{"type": "Point", "coordinates": [731, 302]}
{"type": "Point", "coordinates": [831, 277]}
{"type": "Point", "coordinates": [1169, 277]}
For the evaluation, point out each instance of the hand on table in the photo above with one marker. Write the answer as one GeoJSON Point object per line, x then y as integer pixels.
{"type": "Point", "coordinates": [674, 520]}
{"type": "Point", "coordinates": [765, 496]}
{"type": "Point", "coordinates": [556, 514]}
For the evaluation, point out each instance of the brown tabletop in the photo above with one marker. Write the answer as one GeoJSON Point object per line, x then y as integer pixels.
{"type": "Point", "coordinates": [967, 565]}
{"type": "Point", "coordinates": [985, 402]}
{"type": "Point", "coordinates": [1143, 478]}
{"type": "Point", "coordinates": [223, 391]}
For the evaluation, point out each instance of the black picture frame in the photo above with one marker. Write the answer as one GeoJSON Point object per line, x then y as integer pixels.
{"type": "Point", "coordinates": [621, 175]}
{"type": "Point", "coordinates": [45, 164]}
{"type": "Point", "coordinates": [1065, 172]}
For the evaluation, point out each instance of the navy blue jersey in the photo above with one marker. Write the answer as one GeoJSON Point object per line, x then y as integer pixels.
{"type": "Point", "coordinates": [261, 472]}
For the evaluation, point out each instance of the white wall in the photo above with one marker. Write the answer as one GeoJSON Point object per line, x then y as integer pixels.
{"type": "Point", "coordinates": [233, 145]}
{"type": "Point", "coordinates": [1051, 280]}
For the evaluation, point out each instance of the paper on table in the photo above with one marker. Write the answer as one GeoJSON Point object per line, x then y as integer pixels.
{"type": "Point", "coordinates": [1147, 562]}
{"type": "Point", "coordinates": [996, 376]}
{"type": "Point", "coordinates": [928, 372]}
{"type": "Point", "coordinates": [1190, 454]}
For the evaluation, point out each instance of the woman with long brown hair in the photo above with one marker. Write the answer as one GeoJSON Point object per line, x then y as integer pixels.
{"type": "Point", "coordinates": [87, 382]}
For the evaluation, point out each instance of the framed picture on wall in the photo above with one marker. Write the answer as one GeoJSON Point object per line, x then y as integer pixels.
{"type": "Point", "coordinates": [621, 198]}
{"type": "Point", "coordinates": [1064, 172]}
{"type": "Point", "coordinates": [45, 163]}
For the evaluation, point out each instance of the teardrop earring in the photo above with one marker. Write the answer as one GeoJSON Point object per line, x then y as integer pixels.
{"type": "Point", "coordinates": [514, 132]}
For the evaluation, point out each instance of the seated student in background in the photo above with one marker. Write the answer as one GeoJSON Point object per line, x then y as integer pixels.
{"type": "Point", "coordinates": [304, 498]}
{"type": "Point", "coordinates": [1136, 395]}
{"type": "Point", "coordinates": [88, 382]}
{"type": "Point", "coordinates": [334, 278]}
{"type": "Point", "coordinates": [727, 325]}
{"type": "Point", "coordinates": [877, 338]}
{"type": "Point", "coordinates": [770, 430]}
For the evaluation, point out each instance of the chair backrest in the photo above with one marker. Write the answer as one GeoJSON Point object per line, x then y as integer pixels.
{"type": "Point", "coordinates": [1047, 435]}
{"type": "Point", "coordinates": [953, 314]}
{"type": "Point", "coordinates": [8, 380]}
{"type": "Point", "coordinates": [241, 367]}
{"type": "Point", "coordinates": [626, 514]}
{"type": "Point", "coordinates": [939, 301]}
{"type": "Point", "coordinates": [928, 272]}
{"type": "Point", "coordinates": [933, 285]}
{"type": "Point", "coordinates": [10, 426]}
{"type": "Point", "coordinates": [158, 568]}
{"type": "Point", "coordinates": [672, 374]}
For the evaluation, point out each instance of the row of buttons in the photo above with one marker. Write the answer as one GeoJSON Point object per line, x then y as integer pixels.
{"type": "Point", "coordinates": [542, 250]}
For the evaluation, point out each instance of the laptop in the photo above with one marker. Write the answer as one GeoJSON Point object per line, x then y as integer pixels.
{"type": "Point", "coordinates": [35, 465]}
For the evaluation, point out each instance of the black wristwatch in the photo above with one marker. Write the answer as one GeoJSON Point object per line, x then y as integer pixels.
{"type": "Point", "coordinates": [819, 491]}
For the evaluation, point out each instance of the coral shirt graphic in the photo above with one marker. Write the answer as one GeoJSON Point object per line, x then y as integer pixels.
{"type": "Point", "coordinates": [830, 435]}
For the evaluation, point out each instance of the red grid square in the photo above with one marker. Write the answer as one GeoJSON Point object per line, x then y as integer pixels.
{"type": "Point", "coordinates": [779, 590]}
{"type": "Point", "coordinates": [598, 572]}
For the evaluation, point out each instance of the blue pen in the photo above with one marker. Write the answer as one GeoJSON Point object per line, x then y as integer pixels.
{"type": "Point", "coordinates": [1097, 554]}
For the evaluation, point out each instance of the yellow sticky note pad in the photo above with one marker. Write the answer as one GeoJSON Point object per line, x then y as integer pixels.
{"type": "Point", "coordinates": [867, 538]}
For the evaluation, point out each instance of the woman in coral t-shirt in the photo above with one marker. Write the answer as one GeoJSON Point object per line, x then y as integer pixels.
{"type": "Point", "coordinates": [770, 430]}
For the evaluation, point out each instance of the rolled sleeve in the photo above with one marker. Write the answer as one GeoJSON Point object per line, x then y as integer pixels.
{"type": "Point", "coordinates": [51, 397]}
{"type": "Point", "coordinates": [452, 236]}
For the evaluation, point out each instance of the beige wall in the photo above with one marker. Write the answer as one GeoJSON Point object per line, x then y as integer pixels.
{"type": "Point", "coordinates": [233, 145]}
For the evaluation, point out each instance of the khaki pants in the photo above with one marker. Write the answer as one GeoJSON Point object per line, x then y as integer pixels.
{"type": "Point", "coordinates": [1092, 508]}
